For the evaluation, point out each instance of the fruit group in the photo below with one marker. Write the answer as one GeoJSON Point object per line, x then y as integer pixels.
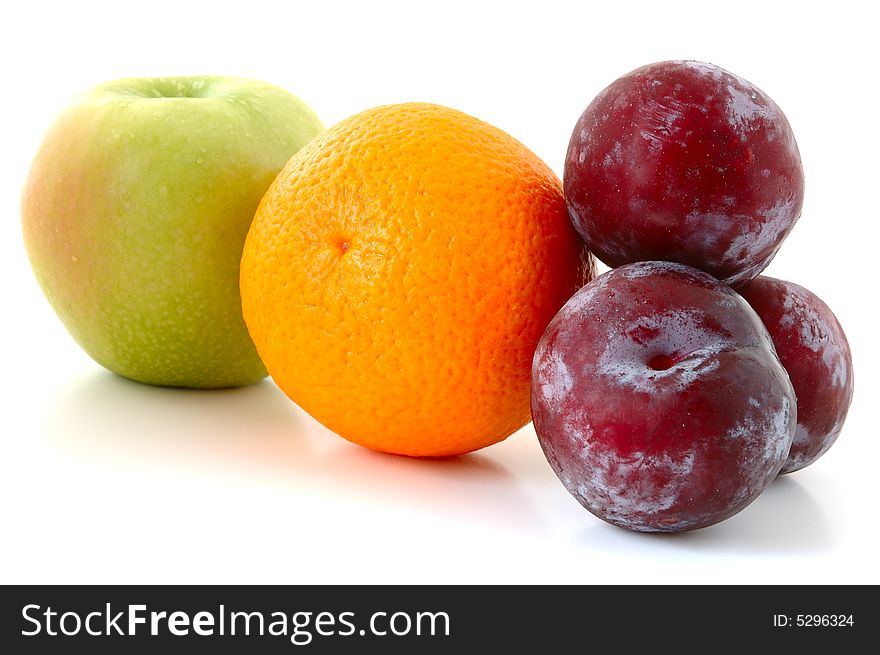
{"type": "Point", "coordinates": [683, 161]}
{"type": "Point", "coordinates": [400, 271]}
{"type": "Point", "coordinates": [813, 349]}
{"type": "Point", "coordinates": [658, 399]}
{"type": "Point", "coordinates": [135, 213]}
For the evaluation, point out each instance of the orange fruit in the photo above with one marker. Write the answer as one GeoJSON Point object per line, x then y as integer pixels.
{"type": "Point", "coordinates": [399, 273]}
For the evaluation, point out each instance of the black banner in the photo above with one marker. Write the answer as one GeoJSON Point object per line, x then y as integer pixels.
{"type": "Point", "coordinates": [341, 619]}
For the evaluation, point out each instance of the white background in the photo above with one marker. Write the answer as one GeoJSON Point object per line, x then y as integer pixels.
{"type": "Point", "coordinates": [105, 480]}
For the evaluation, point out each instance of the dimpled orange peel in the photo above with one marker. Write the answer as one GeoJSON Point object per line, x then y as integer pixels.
{"type": "Point", "coordinates": [399, 273]}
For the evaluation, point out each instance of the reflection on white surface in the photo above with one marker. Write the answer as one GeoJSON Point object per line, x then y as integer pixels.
{"type": "Point", "coordinates": [242, 486]}
{"type": "Point", "coordinates": [256, 430]}
{"type": "Point", "coordinates": [785, 520]}
{"type": "Point", "coordinates": [107, 415]}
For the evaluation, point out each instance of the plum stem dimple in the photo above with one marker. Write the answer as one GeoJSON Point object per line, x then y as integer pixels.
{"type": "Point", "coordinates": [661, 362]}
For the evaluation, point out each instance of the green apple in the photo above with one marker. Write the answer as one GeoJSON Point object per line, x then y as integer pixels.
{"type": "Point", "coordinates": [135, 214]}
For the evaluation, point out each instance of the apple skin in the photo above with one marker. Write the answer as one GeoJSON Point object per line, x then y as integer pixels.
{"type": "Point", "coordinates": [135, 213]}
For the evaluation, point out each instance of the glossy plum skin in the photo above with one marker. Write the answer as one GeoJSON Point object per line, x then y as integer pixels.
{"type": "Point", "coordinates": [683, 161]}
{"type": "Point", "coordinates": [659, 401]}
{"type": "Point", "coordinates": [813, 349]}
